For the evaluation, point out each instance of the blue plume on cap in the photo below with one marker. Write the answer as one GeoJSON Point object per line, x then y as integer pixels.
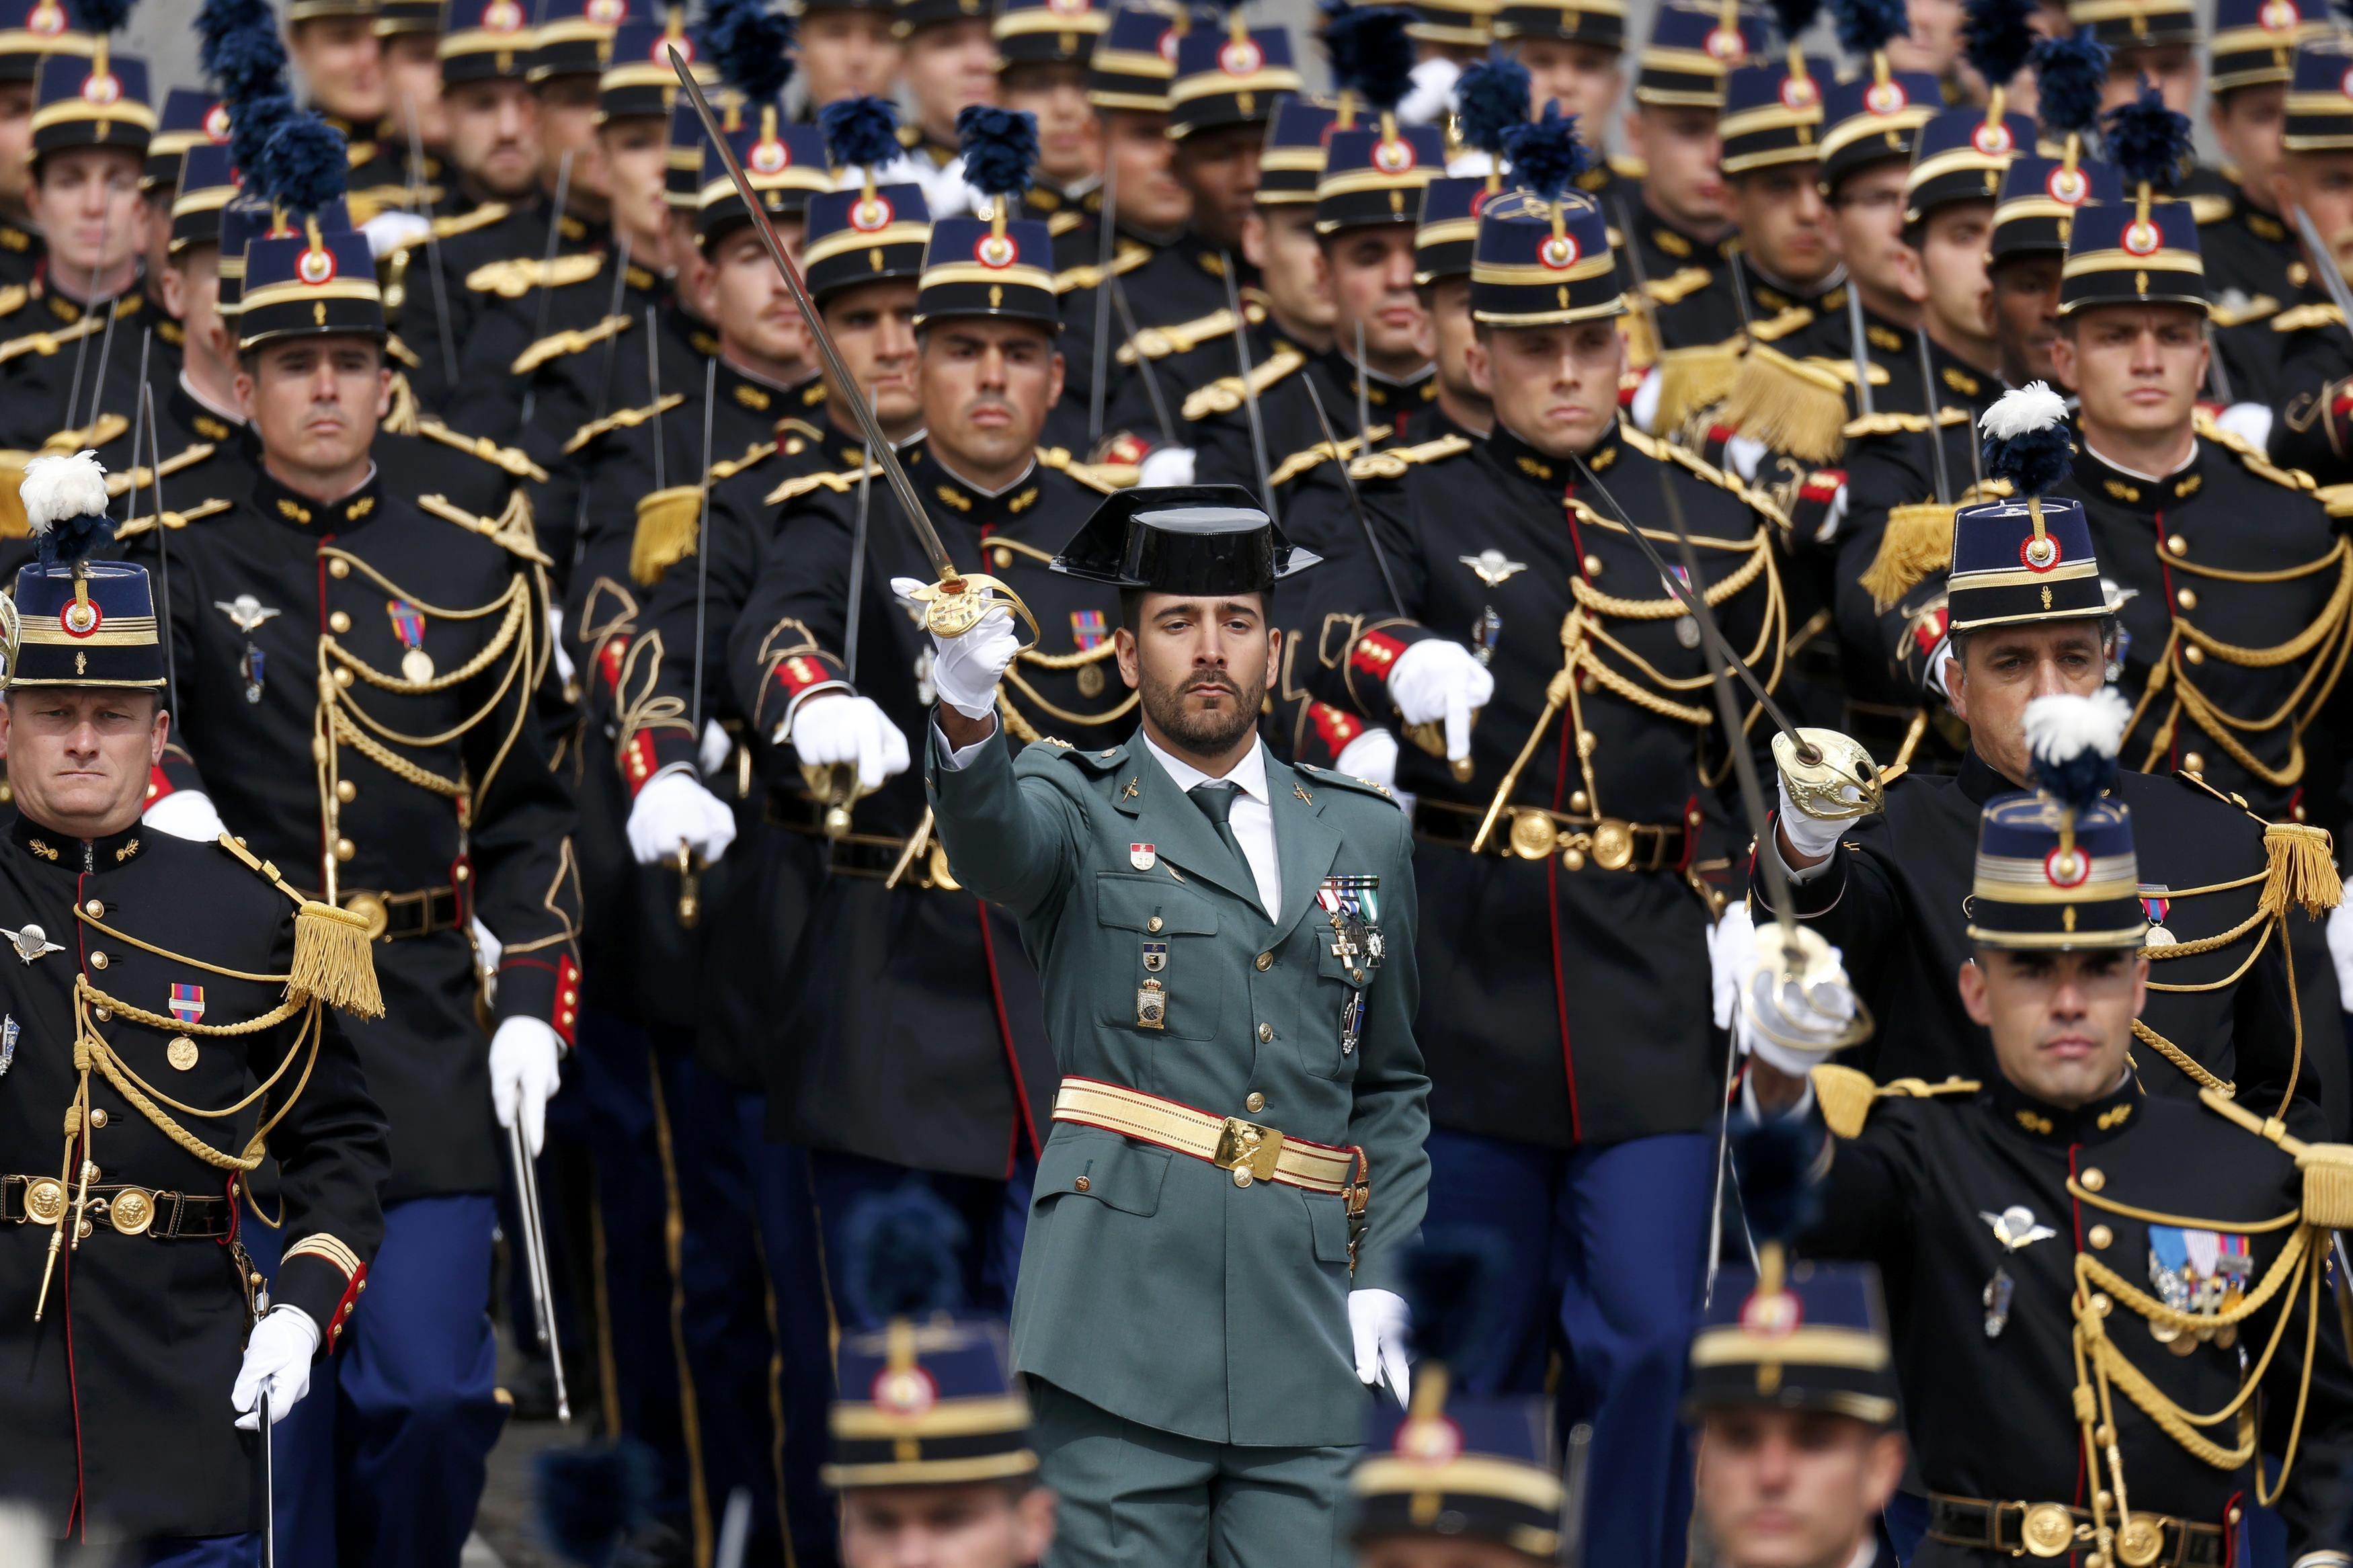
{"type": "Point", "coordinates": [1372, 55]}
{"type": "Point", "coordinates": [1775, 1160]}
{"type": "Point", "coordinates": [749, 43]}
{"type": "Point", "coordinates": [238, 47]}
{"type": "Point", "coordinates": [591, 1501]}
{"type": "Point", "coordinates": [1865, 26]}
{"type": "Point", "coordinates": [2073, 743]}
{"type": "Point", "coordinates": [903, 1249]}
{"type": "Point", "coordinates": [863, 132]}
{"type": "Point", "coordinates": [999, 147]}
{"type": "Point", "coordinates": [2026, 439]}
{"type": "Point", "coordinates": [2146, 142]}
{"type": "Point", "coordinates": [304, 167]}
{"type": "Point", "coordinates": [1997, 37]}
{"type": "Point", "coordinates": [99, 16]}
{"type": "Point", "coordinates": [1449, 1283]}
{"type": "Point", "coordinates": [1547, 155]}
{"type": "Point", "coordinates": [1493, 100]}
{"type": "Point", "coordinates": [2069, 74]}
{"type": "Point", "coordinates": [1796, 16]}
{"type": "Point", "coordinates": [251, 123]}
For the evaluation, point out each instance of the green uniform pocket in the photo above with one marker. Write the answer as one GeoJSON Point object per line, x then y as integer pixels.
{"type": "Point", "coordinates": [1105, 1168]}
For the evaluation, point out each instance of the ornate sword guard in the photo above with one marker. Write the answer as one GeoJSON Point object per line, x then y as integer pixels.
{"type": "Point", "coordinates": [1797, 995]}
{"type": "Point", "coordinates": [1431, 738]}
{"type": "Point", "coordinates": [1842, 781]}
{"type": "Point", "coordinates": [951, 609]}
{"type": "Point", "coordinates": [835, 783]}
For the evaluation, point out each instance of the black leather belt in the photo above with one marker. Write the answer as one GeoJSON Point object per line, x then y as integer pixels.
{"type": "Point", "coordinates": [1531, 832]}
{"type": "Point", "coordinates": [873, 856]}
{"type": "Point", "coordinates": [393, 916]}
{"type": "Point", "coordinates": [2056, 1529]}
{"type": "Point", "coordinates": [131, 1210]}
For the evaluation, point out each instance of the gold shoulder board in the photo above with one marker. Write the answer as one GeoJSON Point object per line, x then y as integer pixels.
{"type": "Point", "coordinates": [2251, 457]}
{"type": "Point", "coordinates": [2298, 317]}
{"type": "Point", "coordinates": [570, 340]}
{"type": "Point", "coordinates": [514, 279]}
{"type": "Point", "coordinates": [507, 459]}
{"type": "Point", "coordinates": [481, 216]}
{"type": "Point", "coordinates": [1130, 256]}
{"type": "Point", "coordinates": [1393, 463]}
{"type": "Point", "coordinates": [1159, 342]}
{"type": "Point", "coordinates": [628, 419]}
{"type": "Point", "coordinates": [1224, 394]}
{"type": "Point", "coordinates": [805, 484]}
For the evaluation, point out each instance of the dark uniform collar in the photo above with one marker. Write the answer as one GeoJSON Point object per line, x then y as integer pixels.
{"type": "Point", "coordinates": [736, 388]}
{"type": "Point", "coordinates": [646, 286]}
{"type": "Point", "coordinates": [2100, 481]}
{"type": "Point", "coordinates": [1979, 781]}
{"type": "Point", "coordinates": [1768, 296]}
{"type": "Point", "coordinates": [1553, 475]}
{"type": "Point", "coordinates": [127, 305]}
{"type": "Point", "coordinates": [359, 141]}
{"type": "Point", "coordinates": [1384, 397]}
{"type": "Point", "coordinates": [1956, 377]}
{"type": "Point", "coordinates": [183, 409]}
{"type": "Point", "coordinates": [305, 515]}
{"type": "Point", "coordinates": [1669, 240]}
{"type": "Point", "coordinates": [65, 851]}
{"type": "Point", "coordinates": [1207, 258]}
{"type": "Point", "coordinates": [19, 237]}
{"type": "Point", "coordinates": [964, 502]}
{"type": "Point", "coordinates": [2096, 1121]}
{"type": "Point", "coordinates": [700, 336]}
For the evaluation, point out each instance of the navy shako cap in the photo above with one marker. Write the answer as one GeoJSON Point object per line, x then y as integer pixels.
{"type": "Point", "coordinates": [927, 1402]}
{"type": "Point", "coordinates": [910, 15]}
{"type": "Point", "coordinates": [308, 279]}
{"type": "Point", "coordinates": [1373, 174]}
{"type": "Point", "coordinates": [96, 101]}
{"type": "Point", "coordinates": [1691, 51]}
{"type": "Point", "coordinates": [1467, 23]}
{"type": "Point", "coordinates": [1601, 23]}
{"type": "Point", "coordinates": [2035, 210]}
{"type": "Point", "coordinates": [639, 83]}
{"type": "Point", "coordinates": [191, 117]}
{"type": "Point", "coordinates": [395, 19]}
{"type": "Point", "coordinates": [2051, 876]}
{"type": "Point", "coordinates": [1815, 1339]}
{"type": "Point", "coordinates": [1047, 32]}
{"type": "Point", "coordinates": [683, 162]}
{"type": "Point", "coordinates": [860, 235]}
{"type": "Point", "coordinates": [31, 31]}
{"type": "Point", "coordinates": [1773, 113]}
{"type": "Point", "coordinates": [2136, 24]}
{"type": "Point", "coordinates": [1468, 1467]}
{"type": "Point", "coordinates": [1230, 75]}
{"type": "Point", "coordinates": [87, 624]}
{"type": "Point", "coordinates": [1291, 162]}
{"type": "Point", "coordinates": [2004, 572]}
{"type": "Point", "coordinates": [574, 37]}
{"type": "Point", "coordinates": [207, 183]}
{"type": "Point", "coordinates": [1183, 539]}
{"type": "Point", "coordinates": [2254, 41]}
{"type": "Point", "coordinates": [2116, 256]}
{"type": "Point", "coordinates": [1448, 230]}
{"type": "Point", "coordinates": [786, 163]}
{"type": "Point", "coordinates": [1542, 263]}
{"type": "Point", "coordinates": [977, 267]}
{"type": "Point", "coordinates": [485, 40]}
{"type": "Point", "coordinates": [299, 11]}
{"type": "Point", "coordinates": [2320, 96]}
{"type": "Point", "coordinates": [245, 218]}
{"type": "Point", "coordinates": [1960, 156]}
{"type": "Point", "coordinates": [1134, 63]}
{"type": "Point", "coordinates": [1869, 120]}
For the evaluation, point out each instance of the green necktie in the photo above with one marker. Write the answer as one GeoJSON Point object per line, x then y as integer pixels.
{"type": "Point", "coordinates": [1216, 800]}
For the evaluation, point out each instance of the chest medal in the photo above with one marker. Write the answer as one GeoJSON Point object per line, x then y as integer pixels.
{"type": "Point", "coordinates": [409, 626]}
{"type": "Point", "coordinates": [2014, 1228]}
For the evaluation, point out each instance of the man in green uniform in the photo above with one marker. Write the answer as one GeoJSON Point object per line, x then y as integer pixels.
{"type": "Point", "coordinates": [1276, 1055]}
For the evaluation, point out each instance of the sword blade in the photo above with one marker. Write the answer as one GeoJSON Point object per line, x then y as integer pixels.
{"type": "Point", "coordinates": [877, 442]}
{"type": "Point", "coordinates": [269, 1486]}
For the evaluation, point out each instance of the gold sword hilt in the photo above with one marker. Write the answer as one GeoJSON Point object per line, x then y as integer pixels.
{"type": "Point", "coordinates": [1431, 738]}
{"type": "Point", "coordinates": [690, 886]}
{"type": "Point", "coordinates": [954, 605]}
{"type": "Point", "coordinates": [835, 783]}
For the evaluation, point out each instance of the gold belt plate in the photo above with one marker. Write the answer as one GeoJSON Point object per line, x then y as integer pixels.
{"type": "Point", "coordinates": [2047, 1530]}
{"type": "Point", "coordinates": [2139, 1542]}
{"type": "Point", "coordinates": [1248, 1150]}
{"type": "Point", "coordinates": [131, 1211]}
{"type": "Point", "coordinates": [45, 1201]}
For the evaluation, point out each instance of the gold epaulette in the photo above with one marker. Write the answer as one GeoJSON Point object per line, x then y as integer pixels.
{"type": "Point", "coordinates": [800, 485]}
{"type": "Point", "coordinates": [1393, 463]}
{"type": "Point", "coordinates": [2337, 499]}
{"type": "Point", "coordinates": [1773, 328]}
{"type": "Point", "coordinates": [99, 432]}
{"type": "Point", "coordinates": [1628, 167]}
{"type": "Point", "coordinates": [401, 353]}
{"type": "Point", "coordinates": [508, 460]}
{"type": "Point", "coordinates": [332, 960]}
{"type": "Point", "coordinates": [2299, 862]}
{"type": "Point", "coordinates": [1903, 423]}
{"type": "Point", "coordinates": [1224, 394]}
{"type": "Point", "coordinates": [570, 341]}
{"type": "Point", "coordinates": [1159, 342]}
{"type": "Point", "coordinates": [2295, 319]}
{"type": "Point", "coordinates": [2208, 208]}
{"type": "Point", "coordinates": [1661, 452]}
{"type": "Point", "coordinates": [513, 279]}
{"type": "Point", "coordinates": [2251, 457]}
{"type": "Point", "coordinates": [12, 299]}
{"type": "Point", "coordinates": [2327, 1167]}
{"type": "Point", "coordinates": [1797, 406]}
{"type": "Point", "coordinates": [1847, 1095]}
{"type": "Point", "coordinates": [146, 524]}
{"type": "Point", "coordinates": [668, 520]}
{"type": "Point", "coordinates": [2254, 309]}
{"type": "Point", "coordinates": [1678, 284]}
{"type": "Point", "coordinates": [1129, 257]}
{"type": "Point", "coordinates": [481, 216]}
{"type": "Point", "coordinates": [625, 419]}
{"type": "Point", "coordinates": [728, 467]}
{"type": "Point", "coordinates": [46, 343]}
{"type": "Point", "coordinates": [1062, 223]}
{"type": "Point", "coordinates": [141, 475]}
{"type": "Point", "coordinates": [511, 529]}
{"type": "Point", "coordinates": [1693, 378]}
{"type": "Point", "coordinates": [1104, 478]}
{"type": "Point", "coordinates": [1917, 540]}
{"type": "Point", "coordinates": [1298, 463]}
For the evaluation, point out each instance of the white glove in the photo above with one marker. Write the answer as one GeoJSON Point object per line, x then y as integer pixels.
{"type": "Point", "coordinates": [1809, 835]}
{"type": "Point", "coordinates": [524, 1055]}
{"type": "Point", "coordinates": [672, 809]}
{"type": "Point", "coordinates": [1645, 407]}
{"type": "Point", "coordinates": [487, 949]}
{"type": "Point", "coordinates": [1379, 1324]}
{"type": "Point", "coordinates": [1433, 680]}
{"type": "Point", "coordinates": [278, 1353]}
{"type": "Point", "coordinates": [1431, 97]}
{"type": "Point", "coordinates": [717, 746]}
{"type": "Point", "coordinates": [965, 669]}
{"type": "Point", "coordinates": [1731, 945]}
{"type": "Point", "coordinates": [390, 231]}
{"type": "Point", "coordinates": [834, 727]}
{"type": "Point", "coordinates": [186, 813]}
{"type": "Point", "coordinates": [564, 668]}
{"type": "Point", "coordinates": [1746, 454]}
{"type": "Point", "coordinates": [1165, 465]}
{"type": "Point", "coordinates": [1811, 1023]}
{"type": "Point", "coordinates": [2340, 947]}
{"type": "Point", "coordinates": [2252, 420]}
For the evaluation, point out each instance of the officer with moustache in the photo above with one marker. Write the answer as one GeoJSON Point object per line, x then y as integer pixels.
{"type": "Point", "coordinates": [915, 1043]}
{"type": "Point", "coordinates": [359, 675]}
{"type": "Point", "coordinates": [1575, 1089]}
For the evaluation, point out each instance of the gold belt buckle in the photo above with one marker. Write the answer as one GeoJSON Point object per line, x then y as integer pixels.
{"type": "Point", "coordinates": [371, 907]}
{"type": "Point", "coordinates": [2139, 1542]}
{"type": "Point", "coordinates": [1613, 844]}
{"type": "Point", "coordinates": [1534, 837]}
{"type": "Point", "coordinates": [2047, 1530]}
{"type": "Point", "coordinates": [131, 1210]}
{"type": "Point", "coordinates": [44, 1200]}
{"type": "Point", "coordinates": [1248, 1150]}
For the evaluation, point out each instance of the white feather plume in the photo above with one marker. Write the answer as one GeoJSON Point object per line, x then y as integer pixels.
{"type": "Point", "coordinates": [57, 489]}
{"type": "Point", "coordinates": [2063, 727]}
{"type": "Point", "coordinates": [2033, 406]}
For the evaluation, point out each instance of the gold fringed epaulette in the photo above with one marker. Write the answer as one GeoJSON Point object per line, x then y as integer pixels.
{"type": "Point", "coordinates": [513, 279]}
{"type": "Point", "coordinates": [1691, 379]}
{"type": "Point", "coordinates": [570, 340]}
{"type": "Point", "coordinates": [2327, 1167]}
{"type": "Point", "coordinates": [2251, 457]}
{"type": "Point", "coordinates": [1793, 405]}
{"type": "Point", "coordinates": [2300, 870]}
{"type": "Point", "coordinates": [1678, 285]}
{"type": "Point", "coordinates": [667, 522]}
{"type": "Point", "coordinates": [1392, 463]}
{"type": "Point", "coordinates": [1663, 451]}
{"type": "Point", "coordinates": [1130, 256]}
{"type": "Point", "coordinates": [800, 485]}
{"type": "Point", "coordinates": [481, 216]}
{"type": "Point", "coordinates": [332, 961]}
{"type": "Point", "coordinates": [1917, 540]}
{"type": "Point", "coordinates": [2300, 318]}
{"type": "Point", "coordinates": [625, 419]}
{"type": "Point", "coordinates": [1846, 1095]}
{"type": "Point", "coordinates": [511, 531]}
{"type": "Point", "coordinates": [401, 417]}
{"type": "Point", "coordinates": [1901, 424]}
{"type": "Point", "coordinates": [1103, 478]}
{"type": "Point", "coordinates": [1298, 463]}
{"type": "Point", "coordinates": [1224, 394]}
{"type": "Point", "coordinates": [510, 460]}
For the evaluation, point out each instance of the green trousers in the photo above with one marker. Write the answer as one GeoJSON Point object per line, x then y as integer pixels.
{"type": "Point", "coordinates": [1132, 1497]}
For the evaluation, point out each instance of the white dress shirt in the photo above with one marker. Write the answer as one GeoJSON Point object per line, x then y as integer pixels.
{"type": "Point", "coordinates": [1253, 815]}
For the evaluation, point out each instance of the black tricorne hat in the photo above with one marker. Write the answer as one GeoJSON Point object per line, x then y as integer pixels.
{"type": "Point", "coordinates": [1183, 539]}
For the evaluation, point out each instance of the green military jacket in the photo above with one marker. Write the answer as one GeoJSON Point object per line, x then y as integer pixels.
{"type": "Point", "coordinates": [1152, 1285]}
